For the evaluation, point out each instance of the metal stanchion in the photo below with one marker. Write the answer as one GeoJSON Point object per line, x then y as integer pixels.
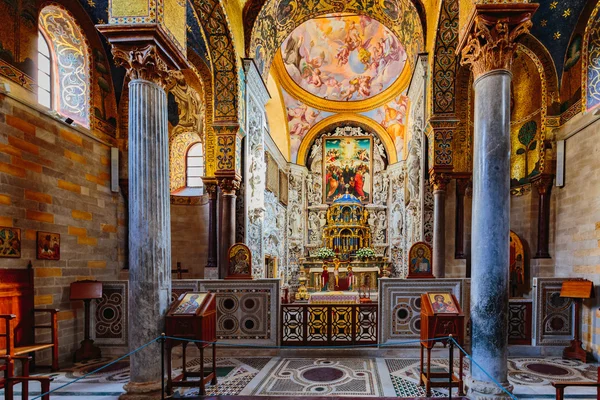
{"type": "Point", "coordinates": [162, 366]}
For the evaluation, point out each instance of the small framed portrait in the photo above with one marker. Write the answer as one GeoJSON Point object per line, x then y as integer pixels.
{"type": "Point", "coordinates": [443, 303]}
{"type": "Point", "coordinates": [419, 261]}
{"type": "Point", "coordinates": [48, 246]}
{"type": "Point", "coordinates": [10, 242]}
{"type": "Point", "coordinates": [190, 303]}
{"type": "Point", "coordinates": [240, 262]}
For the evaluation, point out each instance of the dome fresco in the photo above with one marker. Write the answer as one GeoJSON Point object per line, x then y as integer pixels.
{"type": "Point", "coordinates": [343, 57]}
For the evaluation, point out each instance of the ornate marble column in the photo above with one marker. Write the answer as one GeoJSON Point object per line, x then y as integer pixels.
{"type": "Point", "coordinates": [228, 187]}
{"type": "Point", "coordinates": [459, 226]}
{"type": "Point", "coordinates": [488, 48]}
{"type": "Point", "coordinates": [149, 213]}
{"type": "Point", "coordinates": [439, 181]}
{"type": "Point", "coordinates": [543, 183]}
{"type": "Point", "coordinates": [210, 269]}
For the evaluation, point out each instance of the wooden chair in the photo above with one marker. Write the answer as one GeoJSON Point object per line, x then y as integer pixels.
{"type": "Point", "coordinates": [560, 387]}
{"type": "Point", "coordinates": [8, 380]}
{"type": "Point", "coordinates": [18, 324]}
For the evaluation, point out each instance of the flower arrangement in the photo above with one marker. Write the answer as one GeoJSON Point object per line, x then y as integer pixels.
{"type": "Point", "coordinates": [325, 252]}
{"type": "Point", "coordinates": [365, 252]}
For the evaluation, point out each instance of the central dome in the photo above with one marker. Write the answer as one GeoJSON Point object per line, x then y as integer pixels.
{"type": "Point", "coordinates": [343, 57]}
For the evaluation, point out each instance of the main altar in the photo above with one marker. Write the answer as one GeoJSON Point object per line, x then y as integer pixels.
{"type": "Point", "coordinates": [348, 235]}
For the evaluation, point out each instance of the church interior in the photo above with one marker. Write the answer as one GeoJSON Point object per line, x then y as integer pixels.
{"type": "Point", "coordinates": [299, 199]}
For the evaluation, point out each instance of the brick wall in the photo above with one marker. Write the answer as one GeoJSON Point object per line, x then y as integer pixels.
{"type": "Point", "coordinates": [189, 238]}
{"type": "Point", "coordinates": [55, 178]}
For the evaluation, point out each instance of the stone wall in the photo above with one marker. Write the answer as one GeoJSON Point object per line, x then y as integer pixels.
{"type": "Point", "coordinates": [576, 214]}
{"type": "Point", "coordinates": [455, 268]}
{"type": "Point", "coordinates": [56, 178]}
{"type": "Point", "coordinates": [189, 233]}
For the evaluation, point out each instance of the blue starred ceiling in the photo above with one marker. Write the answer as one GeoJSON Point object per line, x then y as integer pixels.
{"type": "Point", "coordinates": [553, 24]}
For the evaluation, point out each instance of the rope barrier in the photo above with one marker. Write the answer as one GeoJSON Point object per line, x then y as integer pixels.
{"type": "Point", "coordinates": [377, 345]}
{"type": "Point", "coordinates": [99, 369]}
{"type": "Point", "coordinates": [512, 396]}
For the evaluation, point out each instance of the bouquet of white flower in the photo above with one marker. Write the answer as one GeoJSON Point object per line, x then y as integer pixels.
{"type": "Point", "coordinates": [365, 252]}
{"type": "Point", "coordinates": [325, 252]}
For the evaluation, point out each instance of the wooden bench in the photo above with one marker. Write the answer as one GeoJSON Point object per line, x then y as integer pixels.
{"type": "Point", "coordinates": [18, 324]}
{"type": "Point", "coordinates": [560, 387]}
{"type": "Point", "coordinates": [9, 379]}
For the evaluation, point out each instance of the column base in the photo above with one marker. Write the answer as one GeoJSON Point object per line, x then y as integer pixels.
{"type": "Point", "coordinates": [483, 390]}
{"type": "Point", "coordinates": [141, 391]}
{"type": "Point", "coordinates": [211, 273]}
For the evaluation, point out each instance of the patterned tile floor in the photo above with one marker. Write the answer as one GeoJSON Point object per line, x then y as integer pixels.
{"type": "Point", "coordinates": [303, 377]}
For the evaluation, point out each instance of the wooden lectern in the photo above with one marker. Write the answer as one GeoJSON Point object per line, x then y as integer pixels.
{"type": "Point", "coordinates": [192, 316]}
{"type": "Point", "coordinates": [576, 290]}
{"type": "Point", "coordinates": [441, 317]}
{"type": "Point", "coordinates": [86, 291]}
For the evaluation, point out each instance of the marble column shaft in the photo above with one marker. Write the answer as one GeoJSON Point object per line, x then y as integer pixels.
{"type": "Point", "coordinates": [212, 190]}
{"type": "Point", "coordinates": [439, 231]}
{"type": "Point", "coordinates": [227, 227]}
{"type": "Point", "coordinates": [491, 225]}
{"type": "Point", "coordinates": [149, 226]}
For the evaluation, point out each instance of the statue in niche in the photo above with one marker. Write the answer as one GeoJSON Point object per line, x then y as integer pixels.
{"type": "Point", "coordinates": [414, 168]}
{"type": "Point", "coordinates": [313, 227]}
{"type": "Point", "coordinates": [398, 221]}
{"type": "Point", "coordinates": [295, 221]}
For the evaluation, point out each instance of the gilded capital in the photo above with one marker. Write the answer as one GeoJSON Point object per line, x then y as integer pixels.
{"type": "Point", "coordinates": [142, 63]}
{"type": "Point", "coordinates": [439, 180]}
{"type": "Point", "coordinates": [543, 183]}
{"type": "Point", "coordinates": [229, 186]}
{"type": "Point", "coordinates": [491, 41]}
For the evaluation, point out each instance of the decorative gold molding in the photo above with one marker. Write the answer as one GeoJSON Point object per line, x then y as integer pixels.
{"type": "Point", "coordinates": [349, 118]}
{"type": "Point", "coordinates": [292, 88]}
{"type": "Point", "coordinates": [493, 30]}
{"type": "Point", "coordinates": [142, 63]}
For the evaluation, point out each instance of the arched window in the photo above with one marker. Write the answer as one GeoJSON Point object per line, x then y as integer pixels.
{"type": "Point", "coordinates": [66, 51]}
{"type": "Point", "coordinates": [195, 166]}
{"type": "Point", "coordinates": [44, 77]}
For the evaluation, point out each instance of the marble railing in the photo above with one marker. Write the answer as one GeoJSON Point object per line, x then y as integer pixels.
{"type": "Point", "coordinates": [247, 311]}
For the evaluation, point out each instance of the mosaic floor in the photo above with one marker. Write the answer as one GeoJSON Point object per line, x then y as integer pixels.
{"type": "Point", "coordinates": [303, 377]}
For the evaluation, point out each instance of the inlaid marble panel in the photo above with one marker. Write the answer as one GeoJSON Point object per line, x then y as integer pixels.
{"type": "Point", "coordinates": [552, 314]}
{"type": "Point", "coordinates": [247, 311]}
{"type": "Point", "coordinates": [109, 315]}
{"type": "Point", "coordinates": [400, 302]}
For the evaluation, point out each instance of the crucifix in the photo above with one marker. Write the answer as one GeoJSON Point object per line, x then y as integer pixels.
{"type": "Point", "coordinates": [179, 271]}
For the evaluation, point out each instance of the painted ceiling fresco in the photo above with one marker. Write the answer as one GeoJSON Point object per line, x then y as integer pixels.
{"type": "Point", "coordinates": [553, 23]}
{"type": "Point", "coordinates": [343, 57]}
{"type": "Point", "coordinates": [300, 119]}
{"type": "Point", "coordinates": [392, 118]}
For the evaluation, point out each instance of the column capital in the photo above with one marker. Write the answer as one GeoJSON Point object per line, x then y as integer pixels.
{"type": "Point", "coordinates": [439, 180]}
{"type": "Point", "coordinates": [211, 186]}
{"type": "Point", "coordinates": [229, 186]}
{"type": "Point", "coordinates": [543, 183]}
{"type": "Point", "coordinates": [462, 184]}
{"type": "Point", "coordinates": [491, 36]}
{"type": "Point", "coordinates": [142, 63]}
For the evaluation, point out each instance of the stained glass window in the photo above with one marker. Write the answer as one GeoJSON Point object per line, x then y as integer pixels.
{"type": "Point", "coordinates": [44, 72]}
{"type": "Point", "coordinates": [195, 166]}
{"type": "Point", "coordinates": [68, 54]}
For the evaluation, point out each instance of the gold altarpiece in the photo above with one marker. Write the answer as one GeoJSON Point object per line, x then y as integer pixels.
{"type": "Point", "coordinates": [346, 231]}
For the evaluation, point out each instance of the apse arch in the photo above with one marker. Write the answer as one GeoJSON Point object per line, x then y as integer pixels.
{"type": "Point", "coordinates": [590, 69]}
{"type": "Point", "coordinates": [334, 121]}
{"type": "Point", "coordinates": [278, 18]}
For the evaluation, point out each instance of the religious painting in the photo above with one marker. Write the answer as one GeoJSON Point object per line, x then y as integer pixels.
{"type": "Point", "coordinates": [442, 303]}
{"type": "Point", "coordinates": [347, 167]}
{"type": "Point", "coordinates": [240, 262]}
{"type": "Point", "coordinates": [190, 303]}
{"type": "Point", "coordinates": [419, 261]}
{"type": "Point", "coordinates": [392, 118]}
{"type": "Point", "coordinates": [343, 57]}
{"type": "Point", "coordinates": [526, 120]}
{"type": "Point", "coordinates": [48, 246]}
{"type": "Point", "coordinates": [10, 242]}
{"type": "Point", "coordinates": [517, 266]}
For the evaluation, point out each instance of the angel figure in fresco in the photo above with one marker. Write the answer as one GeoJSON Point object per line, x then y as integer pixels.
{"type": "Point", "coordinates": [364, 86]}
{"type": "Point", "coordinates": [292, 52]}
